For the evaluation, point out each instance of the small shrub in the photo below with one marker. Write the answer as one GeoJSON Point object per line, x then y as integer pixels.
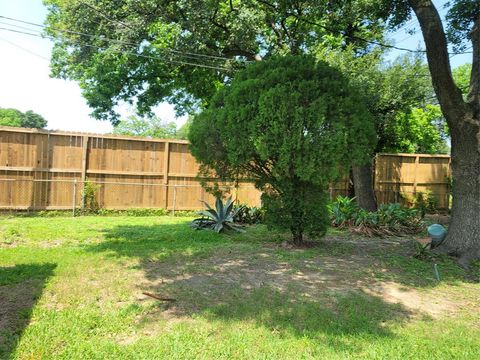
{"type": "Point", "coordinates": [89, 198]}
{"type": "Point", "coordinates": [342, 210]}
{"type": "Point", "coordinates": [424, 201]}
{"type": "Point", "coordinates": [219, 219]}
{"type": "Point", "coordinates": [249, 215]}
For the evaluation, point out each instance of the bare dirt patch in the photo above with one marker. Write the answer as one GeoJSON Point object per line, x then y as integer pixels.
{"type": "Point", "coordinates": [411, 299]}
{"type": "Point", "coordinates": [215, 280]}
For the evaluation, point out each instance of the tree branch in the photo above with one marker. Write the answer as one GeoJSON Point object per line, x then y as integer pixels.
{"type": "Point", "coordinates": [214, 21]}
{"type": "Point", "coordinates": [449, 95]}
{"type": "Point", "coordinates": [474, 91]}
{"type": "Point", "coordinates": [239, 52]}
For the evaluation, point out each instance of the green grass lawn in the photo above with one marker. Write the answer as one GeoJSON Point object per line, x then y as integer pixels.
{"type": "Point", "coordinates": [73, 289]}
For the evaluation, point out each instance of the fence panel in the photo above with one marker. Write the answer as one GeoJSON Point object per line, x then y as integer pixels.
{"type": "Point", "coordinates": [47, 170]}
{"type": "Point", "coordinates": [400, 177]}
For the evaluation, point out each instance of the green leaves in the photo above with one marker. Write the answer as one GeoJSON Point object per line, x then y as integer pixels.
{"type": "Point", "coordinates": [153, 51]}
{"type": "Point", "coordinates": [152, 127]}
{"type": "Point", "coordinates": [290, 124]}
{"type": "Point", "coordinates": [461, 18]}
{"type": "Point", "coordinates": [14, 117]}
{"type": "Point", "coordinates": [219, 219]}
{"type": "Point", "coordinates": [389, 219]}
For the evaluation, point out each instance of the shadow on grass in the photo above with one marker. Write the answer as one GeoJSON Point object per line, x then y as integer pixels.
{"type": "Point", "coordinates": [242, 278]}
{"type": "Point", "coordinates": [20, 288]}
{"type": "Point", "coordinates": [143, 241]}
{"type": "Point", "coordinates": [250, 279]}
{"type": "Point", "coordinates": [344, 322]}
{"type": "Point", "coordinates": [387, 259]}
{"type": "Point", "coordinates": [327, 319]}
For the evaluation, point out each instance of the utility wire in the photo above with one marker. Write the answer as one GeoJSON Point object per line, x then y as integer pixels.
{"type": "Point", "coordinates": [102, 38]}
{"type": "Point", "coordinates": [126, 52]}
{"type": "Point", "coordinates": [98, 11]}
{"type": "Point", "coordinates": [25, 49]}
{"type": "Point", "coordinates": [354, 37]}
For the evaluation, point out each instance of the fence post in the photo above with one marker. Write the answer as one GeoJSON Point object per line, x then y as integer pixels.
{"type": "Point", "coordinates": [417, 161]}
{"type": "Point", "coordinates": [74, 202]}
{"type": "Point", "coordinates": [166, 168]}
{"type": "Point", "coordinates": [174, 198]}
{"type": "Point", "coordinates": [84, 163]}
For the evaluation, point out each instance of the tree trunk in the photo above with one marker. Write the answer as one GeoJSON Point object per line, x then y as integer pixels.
{"type": "Point", "coordinates": [463, 118]}
{"type": "Point", "coordinates": [363, 185]}
{"type": "Point", "coordinates": [297, 237]}
{"type": "Point", "coordinates": [463, 237]}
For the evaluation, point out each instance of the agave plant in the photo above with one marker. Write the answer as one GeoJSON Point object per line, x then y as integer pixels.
{"type": "Point", "coordinates": [219, 219]}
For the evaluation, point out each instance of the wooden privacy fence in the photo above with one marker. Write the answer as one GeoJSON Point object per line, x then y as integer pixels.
{"type": "Point", "coordinates": [399, 177]}
{"type": "Point", "coordinates": [48, 169]}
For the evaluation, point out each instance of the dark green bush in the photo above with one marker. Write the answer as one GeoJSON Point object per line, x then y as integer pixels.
{"type": "Point", "coordinates": [292, 125]}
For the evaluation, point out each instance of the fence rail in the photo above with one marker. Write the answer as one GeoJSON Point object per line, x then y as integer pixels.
{"type": "Point", "coordinates": [48, 169]}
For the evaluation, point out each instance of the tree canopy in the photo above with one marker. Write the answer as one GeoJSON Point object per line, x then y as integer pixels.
{"type": "Point", "coordinates": [292, 126]}
{"type": "Point", "coordinates": [14, 117]}
{"type": "Point", "coordinates": [182, 51]}
{"type": "Point", "coordinates": [150, 127]}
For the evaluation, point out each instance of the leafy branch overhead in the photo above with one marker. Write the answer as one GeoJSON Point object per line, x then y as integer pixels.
{"type": "Point", "coordinates": [183, 51]}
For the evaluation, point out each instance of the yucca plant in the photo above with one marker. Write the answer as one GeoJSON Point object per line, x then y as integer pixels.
{"type": "Point", "coordinates": [219, 219]}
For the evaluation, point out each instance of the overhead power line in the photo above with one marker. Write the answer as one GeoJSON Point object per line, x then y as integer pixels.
{"type": "Point", "coordinates": [126, 52]}
{"type": "Point", "coordinates": [102, 14]}
{"type": "Point", "coordinates": [25, 49]}
{"type": "Point", "coordinates": [190, 55]}
{"type": "Point", "coordinates": [358, 38]}
{"type": "Point", "coordinates": [103, 38]}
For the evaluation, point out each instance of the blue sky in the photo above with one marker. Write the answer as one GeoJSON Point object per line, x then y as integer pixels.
{"type": "Point", "coordinates": [25, 83]}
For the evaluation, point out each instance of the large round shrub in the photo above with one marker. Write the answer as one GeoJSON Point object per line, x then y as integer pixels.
{"type": "Point", "coordinates": [292, 125]}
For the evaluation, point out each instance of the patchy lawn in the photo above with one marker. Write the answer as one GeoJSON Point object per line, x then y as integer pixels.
{"type": "Point", "coordinates": [73, 289]}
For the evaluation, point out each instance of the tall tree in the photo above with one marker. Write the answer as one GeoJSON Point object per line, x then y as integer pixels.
{"type": "Point", "coordinates": [183, 51]}
{"type": "Point", "coordinates": [11, 117]}
{"type": "Point", "coordinates": [33, 120]}
{"type": "Point", "coordinates": [462, 114]}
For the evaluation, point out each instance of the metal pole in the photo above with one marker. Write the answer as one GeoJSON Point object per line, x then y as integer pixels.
{"type": "Point", "coordinates": [74, 204]}
{"type": "Point", "coordinates": [174, 198]}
